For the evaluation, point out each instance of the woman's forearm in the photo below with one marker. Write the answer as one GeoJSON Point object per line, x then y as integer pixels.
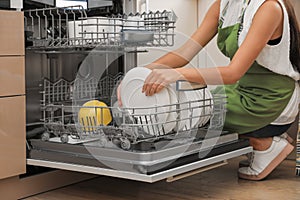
{"type": "Point", "coordinates": [170, 60]}
{"type": "Point", "coordinates": [210, 76]}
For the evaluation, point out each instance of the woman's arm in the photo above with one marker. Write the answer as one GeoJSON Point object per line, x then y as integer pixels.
{"type": "Point", "coordinates": [266, 23]}
{"type": "Point", "coordinates": [182, 56]}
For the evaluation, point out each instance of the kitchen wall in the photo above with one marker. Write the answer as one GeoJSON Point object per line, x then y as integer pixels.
{"type": "Point", "coordinates": [187, 23]}
{"type": "Point", "coordinates": [296, 4]}
{"type": "Point", "coordinates": [210, 55]}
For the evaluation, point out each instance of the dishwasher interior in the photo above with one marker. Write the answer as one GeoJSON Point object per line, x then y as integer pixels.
{"type": "Point", "coordinates": [73, 58]}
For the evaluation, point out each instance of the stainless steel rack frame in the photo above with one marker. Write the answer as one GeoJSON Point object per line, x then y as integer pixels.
{"type": "Point", "coordinates": [70, 27]}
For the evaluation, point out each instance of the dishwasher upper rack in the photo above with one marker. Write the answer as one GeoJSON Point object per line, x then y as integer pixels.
{"type": "Point", "coordinates": [130, 126]}
{"type": "Point", "coordinates": [70, 27]}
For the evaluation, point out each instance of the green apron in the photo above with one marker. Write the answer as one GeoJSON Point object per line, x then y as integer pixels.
{"type": "Point", "coordinates": [259, 97]}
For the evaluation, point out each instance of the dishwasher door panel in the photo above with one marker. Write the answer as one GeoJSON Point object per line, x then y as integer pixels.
{"type": "Point", "coordinates": [150, 178]}
{"type": "Point", "coordinates": [147, 166]}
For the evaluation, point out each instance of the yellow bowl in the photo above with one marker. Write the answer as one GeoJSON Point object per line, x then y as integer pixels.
{"type": "Point", "coordinates": [97, 114]}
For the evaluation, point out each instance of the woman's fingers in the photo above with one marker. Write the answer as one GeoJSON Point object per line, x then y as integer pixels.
{"type": "Point", "coordinates": [149, 82]}
{"type": "Point", "coordinates": [154, 89]}
{"type": "Point", "coordinates": [119, 95]}
{"type": "Point", "coordinates": [159, 88]}
{"type": "Point", "coordinates": [146, 83]}
{"type": "Point", "coordinates": [158, 79]}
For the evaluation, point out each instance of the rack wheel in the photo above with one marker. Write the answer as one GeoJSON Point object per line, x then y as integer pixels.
{"type": "Point", "coordinates": [64, 138]}
{"type": "Point", "coordinates": [103, 141]}
{"type": "Point", "coordinates": [45, 137]}
{"type": "Point", "coordinates": [141, 169]}
{"type": "Point", "coordinates": [125, 144]}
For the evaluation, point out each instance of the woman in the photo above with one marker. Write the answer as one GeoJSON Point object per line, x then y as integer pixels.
{"type": "Point", "coordinates": [261, 37]}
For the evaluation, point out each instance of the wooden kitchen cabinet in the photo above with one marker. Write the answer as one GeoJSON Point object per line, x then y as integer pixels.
{"type": "Point", "coordinates": [12, 75]}
{"type": "Point", "coordinates": [12, 136]}
{"type": "Point", "coordinates": [11, 33]}
{"type": "Point", "coordinates": [12, 95]}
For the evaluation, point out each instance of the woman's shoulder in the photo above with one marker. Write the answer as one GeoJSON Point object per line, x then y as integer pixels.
{"type": "Point", "coordinates": [271, 7]}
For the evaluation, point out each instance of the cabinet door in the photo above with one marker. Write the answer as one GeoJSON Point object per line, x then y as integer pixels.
{"type": "Point", "coordinates": [12, 136]}
{"type": "Point", "coordinates": [12, 75]}
{"type": "Point", "coordinates": [11, 33]}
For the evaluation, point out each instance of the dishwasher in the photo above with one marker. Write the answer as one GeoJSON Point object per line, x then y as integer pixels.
{"type": "Point", "coordinates": [73, 57]}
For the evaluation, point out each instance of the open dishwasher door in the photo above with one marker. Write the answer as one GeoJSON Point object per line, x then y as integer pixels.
{"type": "Point", "coordinates": [172, 163]}
{"type": "Point", "coordinates": [64, 53]}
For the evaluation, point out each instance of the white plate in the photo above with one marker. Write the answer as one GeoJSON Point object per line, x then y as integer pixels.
{"type": "Point", "coordinates": [197, 110]}
{"type": "Point", "coordinates": [134, 22]}
{"type": "Point", "coordinates": [76, 31]}
{"type": "Point", "coordinates": [132, 97]}
{"type": "Point", "coordinates": [140, 73]}
{"type": "Point", "coordinates": [201, 103]}
{"type": "Point", "coordinates": [97, 26]}
{"type": "Point", "coordinates": [184, 98]}
{"type": "Point", "coordinates": [184, 113]}
{"type": "Point", "coordinates": [207, 109]}
{"type": "Point", "coordinates": [169, 125]}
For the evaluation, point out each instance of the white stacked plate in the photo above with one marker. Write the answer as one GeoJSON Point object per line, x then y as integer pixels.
{"type": "Point", "coordinates": [196, 107]}
{"type": "Point", "coordinates": [207, 112]}
{"type": "Point", "coordinates": [154, 111]}
{"type": "Point", "coordinates": [172, 117]}
{"type": "Point", "coordinates": [190, 109]}
{"type": "Point", "coordinates": [98, 27]}
{"type": "Point", "coordinates": [158, 112]}
{"type": "Point", "coordinates": [76, 31]}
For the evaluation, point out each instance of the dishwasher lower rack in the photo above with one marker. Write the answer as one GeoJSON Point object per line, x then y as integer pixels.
{"type": "Point", "coordinates": [129, 126]}
{"type": "Point", "coordinates": [70, 27]}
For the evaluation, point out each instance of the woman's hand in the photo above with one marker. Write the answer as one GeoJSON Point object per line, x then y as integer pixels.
{"type": "Point", "coordinates": [160, 78]}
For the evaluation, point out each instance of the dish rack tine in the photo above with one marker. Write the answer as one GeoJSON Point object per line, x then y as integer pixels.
{"type": "Point", "coordinates": [152, 127]}
{"type": "Point", "coordinates": [146, 119]}
{"type": "Point", "coordinates": [46, 24]}
{"type": "Point", "coordinates": [32, 21]}
{"type": "Point", "coordinates": [39, 23]}
{"type": "Point", "coordinates": [59, 27]}
{"type": "Point", "coordinates": [89, 123]}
